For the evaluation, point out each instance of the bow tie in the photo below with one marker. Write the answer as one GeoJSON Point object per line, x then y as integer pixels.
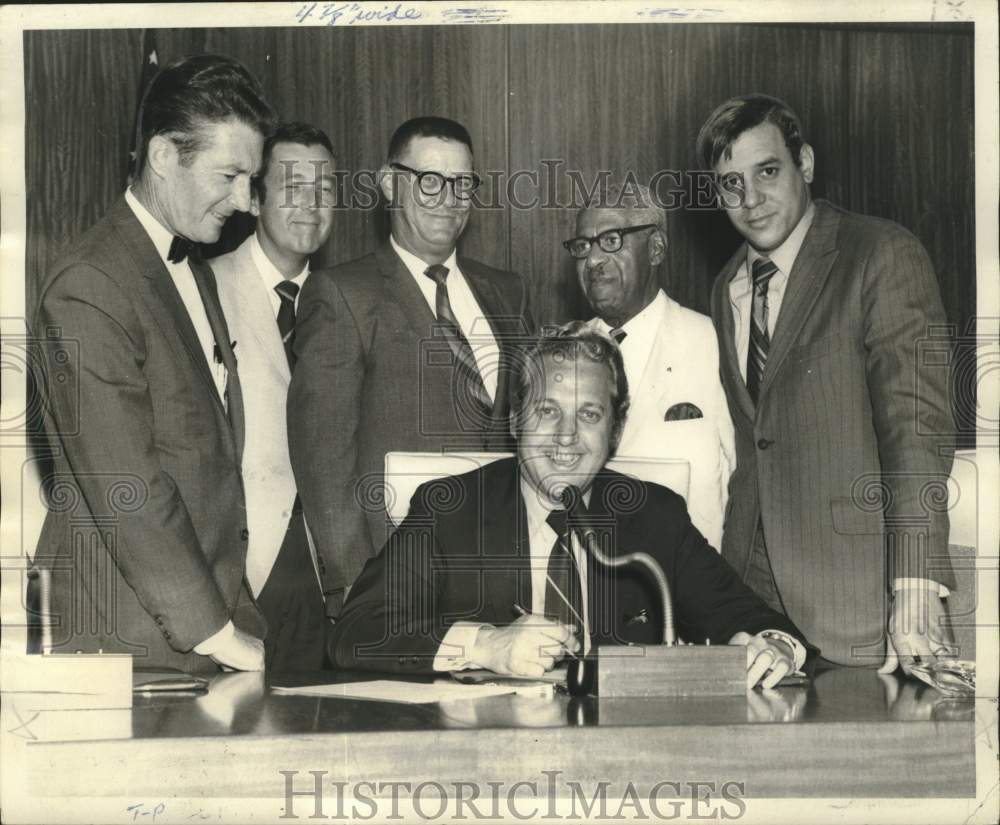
{"type": "Point", "coordinates": [181, 248]}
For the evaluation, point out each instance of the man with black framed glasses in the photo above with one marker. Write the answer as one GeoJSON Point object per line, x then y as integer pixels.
{"type": "Point", "coordinates": [408, 348]}
{"type": "Point", "coordinates": [670, 352]}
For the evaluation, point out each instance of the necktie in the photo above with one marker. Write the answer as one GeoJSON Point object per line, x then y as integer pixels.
{"type": "Point", "coordinates": [287, 290]}
{"type": "Point", "coordinates": [181, 248]}
{"type": "Point", "coordinates": [760, 340]}
{"type": "Point", "coordinates": [473, 396]}
{"type": "Point", "coordinates": [618, 334]}
{"type": "Point", "coordinates": [563, 591]}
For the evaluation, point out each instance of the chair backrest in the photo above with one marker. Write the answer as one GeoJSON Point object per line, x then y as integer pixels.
{"type": "Point", "coordinates": [404, 472]}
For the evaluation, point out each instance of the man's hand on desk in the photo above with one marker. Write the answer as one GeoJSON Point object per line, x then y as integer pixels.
{"type": "Point", "coordinates": [234, 649]}
{"type": "Point", "coordinates": [529, 647]}
{"type": "Point", "coordinates": [768, 660]}
{"type": "Point", "coordinates": [916, 628]}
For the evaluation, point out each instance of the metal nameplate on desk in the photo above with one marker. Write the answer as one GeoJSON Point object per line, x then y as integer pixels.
{"type": "Point", "coordinates": [682, 670]}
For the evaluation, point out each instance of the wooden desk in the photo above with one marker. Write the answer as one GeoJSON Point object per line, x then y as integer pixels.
{"type": "Point", "coordinates": [850, 734]}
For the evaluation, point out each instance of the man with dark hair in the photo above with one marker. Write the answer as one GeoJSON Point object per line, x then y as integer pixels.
{"type": "Point", "coordinates": [408, 348]}
{"type": "Point", "coordinates": [146, 541]}
{"type": "Point", "coordinates": [841, 431]}
{"type": "Point", "coordinates": [671, 355]}
{"type": "Point", "coordinates": [259, 285]}
{"type": "Point", "coordinates": [478, 549]}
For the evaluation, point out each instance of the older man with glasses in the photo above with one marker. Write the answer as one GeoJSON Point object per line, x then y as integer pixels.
{"type": "Point", "coordinates": [408, 348]}
{"type": "Point", "coordinates": [671, 356]}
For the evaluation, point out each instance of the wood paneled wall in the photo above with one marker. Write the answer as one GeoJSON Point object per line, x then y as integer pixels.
{"type": "Point", "coordinates": [889, 111]}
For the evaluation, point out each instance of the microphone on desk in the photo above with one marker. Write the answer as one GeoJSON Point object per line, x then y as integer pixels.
{"type": "Point", "coordinates": [578, 517]}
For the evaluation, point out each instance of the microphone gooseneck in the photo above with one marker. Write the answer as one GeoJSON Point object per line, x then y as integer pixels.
{"type": "Point", "coordinates": [578, 517]}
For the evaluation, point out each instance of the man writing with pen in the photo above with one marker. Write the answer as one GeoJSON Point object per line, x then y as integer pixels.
{"type": "Point", "coordinates": [485, 572]}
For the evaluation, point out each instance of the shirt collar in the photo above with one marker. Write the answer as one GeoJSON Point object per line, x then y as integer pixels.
{"type": "Point", "coordinates": [417, 266]}
{"type": "Point", "coordinates": [268, 271]}
{"type": "Point", "coordinates": [158, 233]}
{"type": "Point", "coordinates": [784, 256]}
{"type": "Point", "coordinates": [644, 322]}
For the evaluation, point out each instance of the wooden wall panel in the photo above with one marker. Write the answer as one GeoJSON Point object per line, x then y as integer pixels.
{"type": "Point", "coordinates": [81, 89]}
{"type": "Point", "coordinates": [916, 163]}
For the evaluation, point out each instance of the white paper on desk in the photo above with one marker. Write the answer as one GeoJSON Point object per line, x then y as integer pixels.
{"type": "Point", "coordinates": [387, 690]}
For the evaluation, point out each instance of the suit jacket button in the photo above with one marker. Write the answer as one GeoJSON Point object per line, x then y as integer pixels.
{"type": "Point", "coordinates": [764, 443]}
{"type": "Point", "coordinates": [245, 534]}
{"type": "Point", "coordinates": [402, 660]}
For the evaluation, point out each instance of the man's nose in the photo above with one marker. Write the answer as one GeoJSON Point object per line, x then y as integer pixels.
{"type": "Point", "coordinates": [239, 196]}
{"type": "Point", "coordinates": [566, 432]}
{"type": "Point", "coordinates": [752, 196]}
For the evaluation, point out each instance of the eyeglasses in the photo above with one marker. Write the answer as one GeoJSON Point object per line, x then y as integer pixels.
{"type": "Point", "coordinates": [432, 183]}
{"type": "Point", "coordinates": [610, 240]}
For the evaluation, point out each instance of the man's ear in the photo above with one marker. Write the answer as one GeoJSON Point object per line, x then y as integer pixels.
{"type": "Point", "coordinates": [161, 155]}
{"type": "Point", "coordinates": [254, 202]}
{"type": "Point", "coordinates": [807, 162]}
{"type": "Point", "coordinates": [387, 183]}
{"type": "Point", "coordinates": [657, 247]}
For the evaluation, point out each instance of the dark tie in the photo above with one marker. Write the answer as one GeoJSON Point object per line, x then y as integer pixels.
{"type": "Point", "coordinates": [479, 402]}
{"type": "Point", "coordinates": [181, 248]}
{"type": "Point", "coordinates": [563, 591]}
{"type": "Point", "coordinates": [287, 290]}
{"type": "Point", "coordinates": [618, 334]}
{"type": "Point", "coordinates": [760, 340]}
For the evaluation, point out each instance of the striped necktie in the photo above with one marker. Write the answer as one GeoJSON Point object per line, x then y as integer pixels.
{"type": "Point", "coordinates": [760, 340]}
{"type": "Point", "coordinates": [563, 591]}
{"type": "Point", "coordinates": [475, 400]}
{"type": "Point", "coordinates": [287, 290]}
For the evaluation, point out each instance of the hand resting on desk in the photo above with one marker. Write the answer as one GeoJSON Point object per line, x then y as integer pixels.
{"type": "Point", "coordinates": [768, 660]}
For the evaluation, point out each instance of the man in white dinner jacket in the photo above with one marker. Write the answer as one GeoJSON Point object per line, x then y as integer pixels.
{"type": "Point", "coordinates": [258, 285]}
{"type": "Point", "coordinates": [671, 353]}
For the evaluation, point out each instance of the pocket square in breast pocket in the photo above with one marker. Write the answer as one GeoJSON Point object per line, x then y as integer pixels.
{"type": "Point", "coordinates": [684, 411]}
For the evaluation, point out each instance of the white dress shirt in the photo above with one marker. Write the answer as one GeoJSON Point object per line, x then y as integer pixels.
{"type": "Point", "coordinates": [271, 275]}
{"type": "Point", "coordinates": [468, 313]}
{"type": "Point", "coordinates": [640, 335]}
{"type": "Point", "coordinates": [183, 279]}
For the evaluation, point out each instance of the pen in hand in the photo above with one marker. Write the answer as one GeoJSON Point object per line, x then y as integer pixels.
{"type": "Point", "coordinates": [522, 612]}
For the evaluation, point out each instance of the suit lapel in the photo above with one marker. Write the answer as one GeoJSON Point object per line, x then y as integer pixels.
{"type": "Point", "coordinates": [250, 294]}
{"type": "Point", "coordinates": [505, 540]}
{"type": "Point", "coordinates": [805, 283]}
{"type": "Point", "coordinates": [402, 289]}
{"type": "Point", "coordinates": [490, 301]}
{"type": "Point", "coordinates": [724, 312]}
{"type": "Point", "coordinates": [176, 323]}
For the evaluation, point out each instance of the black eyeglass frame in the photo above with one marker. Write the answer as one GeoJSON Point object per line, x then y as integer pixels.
{"type": "Point", "coordinates": [621, 232]}
{"type": "Point", "coordinates": [429, 174]}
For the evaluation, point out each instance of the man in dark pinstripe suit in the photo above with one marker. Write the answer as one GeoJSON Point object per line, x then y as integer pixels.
{"type": "Point", "coordinates": [841, 433]}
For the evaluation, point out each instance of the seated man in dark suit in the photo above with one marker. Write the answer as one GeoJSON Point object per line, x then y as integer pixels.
{"type": "Point", "coordinates": [482, 574]}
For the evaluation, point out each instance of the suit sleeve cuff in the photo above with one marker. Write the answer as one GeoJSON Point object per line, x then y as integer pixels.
{"type": "Point", "coordinates": [791, 641]}
{"type": "Point", "coordinates": [926, 584]}
{"type": "Point", "coordinates": [456, 646]}
{"type": "Point", "coordinates": [210, 645]}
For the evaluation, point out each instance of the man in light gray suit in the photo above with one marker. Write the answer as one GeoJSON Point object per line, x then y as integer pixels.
{"type": "Point", "coordinates": [408, 348]}
{"type": "Point", "coordinates": [146, 534]}
{"type": "Point", "coordinates": [842, 433]}
{"type": "Point", "coordinates": [258, 285]}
